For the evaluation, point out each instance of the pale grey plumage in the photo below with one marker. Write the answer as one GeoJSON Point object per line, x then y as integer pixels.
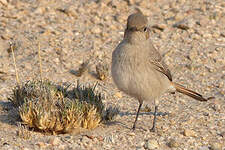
{"type": "Point", "coordinates": [138, 68]}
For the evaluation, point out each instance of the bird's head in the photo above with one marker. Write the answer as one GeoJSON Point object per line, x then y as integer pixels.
{"type": "Point", "coordinates": [137, 29]}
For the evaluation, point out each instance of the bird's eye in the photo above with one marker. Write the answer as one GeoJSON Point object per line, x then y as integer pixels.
{"type": "Point", "coordinates": [145, 29]}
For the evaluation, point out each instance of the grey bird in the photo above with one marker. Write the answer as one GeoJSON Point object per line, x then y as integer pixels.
{"type": "Point", "coordinates": [138, 68]}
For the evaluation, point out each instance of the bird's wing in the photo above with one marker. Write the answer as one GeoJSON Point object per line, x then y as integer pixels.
{"type": "Point", "coordinates": [158, 63]}
{"type": "Point", "coordinates": [162, 67]}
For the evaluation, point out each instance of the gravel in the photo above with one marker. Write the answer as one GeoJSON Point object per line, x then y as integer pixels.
{"type": "Point", "coordinates": [189, 34]}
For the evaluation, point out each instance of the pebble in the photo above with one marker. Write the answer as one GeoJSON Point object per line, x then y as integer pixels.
{"type": "Point", "coordinates": [79, 29]}
{"type": "Point", "coordinates": [151, 144]}
{"type": "Point", "coordinates": [41, 144]}
{"type": "Point", "coordinates": [181, 25]}
{"type": "Point", "coordinates": [203, 148]}
{"type": "Point", "coordinates": [85, 139]}
{"type": "Point", "coordinates": [173, 143]}
{"type": "Point", "coordinates": [118, 94]}
{"type": "Point", "coordinates": [179, 16]}
{"type": "Point", "coordinates": [131, 133]}
{"type": "Point", "coordinates": [160, 27]}
{"type": "Point", "coordinates": [207, 35]}
{"type": "Point", "coordinates": [216, 146]}
{"type": "Point", "coordinates": [54, 141]}
{"type": "Point", "coordinates": [195, 36]}
{"type": "Point", "coordinates": [56, 60]}
{"type": "Point", "coordinates": [4, 2]}
{"type": "Point", "coordinates": [189, 133]}
{"type": "Point", "coordinates": [62, 146]}
{"type": "Point", "coordinates": [96, 30]}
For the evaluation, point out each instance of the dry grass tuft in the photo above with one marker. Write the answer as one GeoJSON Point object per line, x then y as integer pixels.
{"type": "Point", "coordinates": [50, 108]}
{"type": "Point", "coordinates": [82, 69]}
{"type": "Point", "coordinates": [23, 132]}
{"type": "Point", "coordinates": [102, 71]}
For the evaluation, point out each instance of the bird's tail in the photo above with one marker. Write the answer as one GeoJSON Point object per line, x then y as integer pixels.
{"type": "Point", "coordinates": [188, 92]}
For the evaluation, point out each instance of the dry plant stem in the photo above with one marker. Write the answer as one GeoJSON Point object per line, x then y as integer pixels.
{"type": "Point", "coordinates": [14, 61]}
{"type": "Point", "coordinates": [39, 57]}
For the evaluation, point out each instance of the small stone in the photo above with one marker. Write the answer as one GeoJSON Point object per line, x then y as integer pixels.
{"type": "Point", "coordinates": [222, 134]}
{"type": "Point", "coordinates": [160, 27]}
{"type": "Point", "coordinates": [85, 139]}
{"type": "Point", "coordinates": [131, 133]}
{"type": "Point", "coordinates": [62, 147]}
{"type": "Point", "coordinates": [207, 35]}
{"type": "Point", "coordinates": [216, 34]}
{"type": "Point", "coordinates": [56, 60]}
{"type": "Point", "coordinates": [96, 30]}
{"type": "Point", "coordinates": [215, 105]}
{"type": "Point", "coordinates": [203, 22]}
{"type": "Point", "coordinates": [118, 94]}
{"type": "Point", "coordinates": [203, 148]}
{"type": "Point", "coordinates": [100, 138]}
{"type": "Point", "coordinates": [131, 2]}
{"type": "Point", "coordinates": [173, 143]}
{"type": "Point", "coordinates": [140, 148]}
{"type": "Point", "coordinates": [193, 54]}
{"type": "Point", "coordinates": [54, 141]}
{"type": "Point", "coordinates": [185, 24]}
{"type": "Point", "coordinates": [189, 132]}
{"type": "Point", "coordinates": [181, 26]}
{"type": "Point", "coordinates": [216, 146]}
{"type": "Point", "coordinates": [41, 144]}
{"type": "Point", "coordinates": [4, 2]}
{"type": "Point", "coordinates": [179, 16]}
{"type": "Point", "coordinates": [151, 144]}
{"type": "Point", "coordinates": [195, 36]}
{"type": "Point", "coordinates": [222, 34]}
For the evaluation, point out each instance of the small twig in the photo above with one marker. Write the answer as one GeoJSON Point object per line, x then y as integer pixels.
{"type": "Point", "coordinates": [39, 57]}
{"type": "Point", "coordinates": [14, 61]}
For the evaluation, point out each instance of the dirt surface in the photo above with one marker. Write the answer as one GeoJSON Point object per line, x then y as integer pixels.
{"type": "Point", "coordinates": [190, 34]}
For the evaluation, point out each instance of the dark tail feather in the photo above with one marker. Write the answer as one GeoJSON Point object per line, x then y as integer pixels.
{"type": "Point", "coordinates": [188, 92]}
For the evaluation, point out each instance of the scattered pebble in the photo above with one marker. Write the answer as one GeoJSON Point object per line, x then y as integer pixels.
{"type": "Point", "coordinates": [204, 148]}
{"type": "Point", "coordinates": [131, 134]}
{"type": "Point", "coordinates": [190, 34]}
{"type": "Point", "coordinates": [173, 143]}
{"type": "Point", "coordinates": [182, 25]}
{"type": "Point", "coordinates": [160, 27]}
{"type": "Point", "coordinates": [41, 144]}
{"type": "Point", "coordinates": [54, 141]}
{"type": "Point", "coordinates": [190, 133]}
{"type": "Point", "coordinates": [118, 94]}
{"type": "Point", "coordinates": [216, 146]}
{"type": "Point", "coordinates": [151, 144]}
{"type": "Point", "coordinates": [4, 2]}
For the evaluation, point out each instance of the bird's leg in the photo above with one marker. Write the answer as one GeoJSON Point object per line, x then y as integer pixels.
{"type": "Point", "coordinates": [140, 104]}
{"type": "Point", "coordinates": [154, 119]}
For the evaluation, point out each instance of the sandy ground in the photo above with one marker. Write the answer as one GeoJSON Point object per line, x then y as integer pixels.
{"type": "Point", "coordinates": [190, 34]}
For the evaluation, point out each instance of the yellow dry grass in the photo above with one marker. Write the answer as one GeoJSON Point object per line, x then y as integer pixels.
{"type": "Point", "coordinates": [47, 107]}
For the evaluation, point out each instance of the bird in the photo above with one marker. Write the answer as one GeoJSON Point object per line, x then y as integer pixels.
{"type": "Point", "coordinates": [139, 70]}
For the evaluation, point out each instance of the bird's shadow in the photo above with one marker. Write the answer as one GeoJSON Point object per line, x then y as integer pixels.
{"type": "Point", "coordinates": [74, 72]}
{"type": "Point", "coordinates": [127, 113]}
{"type": "Point", "coordinates": [142, 113]}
